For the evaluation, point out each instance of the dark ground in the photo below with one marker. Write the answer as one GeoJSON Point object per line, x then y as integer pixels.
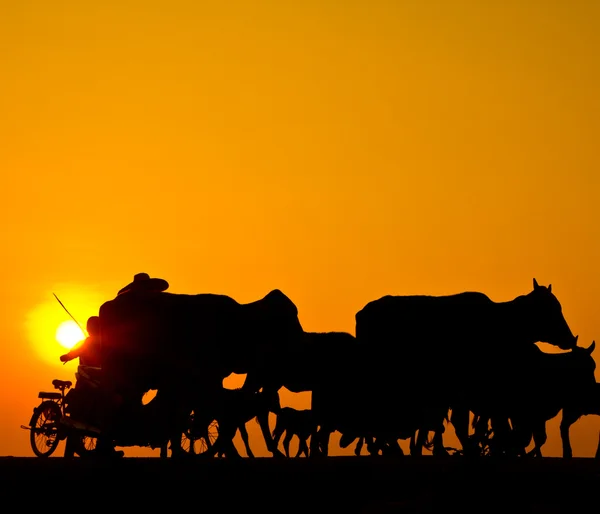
{"type": "Point", "coordinates": [334, 484]}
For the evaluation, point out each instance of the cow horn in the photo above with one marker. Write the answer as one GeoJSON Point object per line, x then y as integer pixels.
{"type": "Point", "coordinates": [591, 347]}
{"type": "Point", "coordinates": [576, 337]}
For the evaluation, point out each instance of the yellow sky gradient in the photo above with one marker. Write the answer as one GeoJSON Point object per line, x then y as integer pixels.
{"type": "Point", "coordinates": [338, 151]}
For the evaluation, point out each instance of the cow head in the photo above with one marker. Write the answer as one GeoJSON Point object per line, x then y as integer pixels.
{"type": "Point", "coordinates": [587, 364]}
{"type": "Point", "coordinates": [582, 372]}
{"type": "Point", "coordinates": [279, 318]}
{"type": "Point", "coordinates": [545, 321]}
{"type": "Point", "coordinates": [271, 327]}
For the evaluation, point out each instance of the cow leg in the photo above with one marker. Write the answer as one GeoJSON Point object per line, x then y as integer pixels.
{"type": "Point", "coordinates": [520, 437]}
{"type": "Point", "coordinates": [315, 450]}
{"type": "Point", "coordinates": [377, 446]}
{"type": "Point", "coordinates": [252, 383]}
{"type": "Point", "coordinates": [459, 417]}
{"type": "Point", "coordinates": [568, 418]}
{"type": "Point", "coordinates": [359, 445]}
{"type": "Point", "coordinates": [324, 442]}
{"type": "Point", "coordinates": [231, 451]}
{"type": "Point", "coordinates": [277, 433]}
{"type": "Point", "coordinates": [224, 445]}
{"type": "Point", "coordinates": [481, 433]}
{"type": "Point", "coordinates": [417, 448]}
{"type": "Point", "coordinates": [286, 442]}
{"type": "Point", "coordinates": [263, 421]}
{"type": "Point", "coordinates": [164, 450]}
{"type": "Point", "coordinates": [420, 439]}
{"type": "Point", "coordinates": [392, 447]}
{"type": "Point", "coordinates": [319, 442]}
{"type": "Point", "coordinates": [372, 447]}
{"type": "Point", "coordinates": [439, 449]}
{"type": "Point", "coordinates": [302, 447]}
{"type": "Point", "coordinates": [226, 448]}
{"type": "Point", "coordinates": [244, 434]}
{"type": "Point", "coordinates": [502, 443]}
{"type": "Point", "coordinates": [539, 439]}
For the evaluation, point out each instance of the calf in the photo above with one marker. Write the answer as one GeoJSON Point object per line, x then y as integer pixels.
{"type": "Point", "coordinates": [299, 423]}
{"type": "Point", "coordinates": [237, 408]}
{"type": "Point", "coordinates": [232, 409]}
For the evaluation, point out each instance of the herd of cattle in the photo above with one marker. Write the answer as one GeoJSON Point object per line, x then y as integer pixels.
{"type": "Point", "coordinates": [415, 363]}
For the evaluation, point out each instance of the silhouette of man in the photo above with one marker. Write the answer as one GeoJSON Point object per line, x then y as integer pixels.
{"type": "Point", "coordinates": [92, 402]}
{"type": "Point", "coordinates": [88, 350]}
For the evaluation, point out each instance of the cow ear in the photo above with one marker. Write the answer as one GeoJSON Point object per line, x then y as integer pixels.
{"type": "Point", "coordinates": [535, 284]}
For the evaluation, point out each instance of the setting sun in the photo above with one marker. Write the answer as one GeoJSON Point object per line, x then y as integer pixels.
{"type": "Point", "coordinates": [68, 334]}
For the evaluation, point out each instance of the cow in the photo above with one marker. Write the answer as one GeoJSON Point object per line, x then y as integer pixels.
{"type": "Point", "coordinates": [316, 360]}
{"type": "Point", "coordinates": [443, 347]}
{"type": "Point", "coordinates": [185, 345]}
{"type": "Point", "coordinates": [329, 365]}
{"type": "Point", "coordinates": [536, 392]}
{"type": "Point", "coordinates": [294, 422]}
{"type": "Point", "coordinates": [585, 404]}
{"type": "Point", "coordinates": [313, 365]}
{"type": "Point", "coordinates": [359, 401]}
{"type": "Point", "coordinates": [231, 409]}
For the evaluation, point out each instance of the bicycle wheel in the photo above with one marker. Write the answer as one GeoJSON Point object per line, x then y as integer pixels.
{"type": "Point", "coordinates": [86, 445]}
{"type": "Point", "coordinates": [43, 435]}
{"type": "Point", "coordinates": [198, 440]}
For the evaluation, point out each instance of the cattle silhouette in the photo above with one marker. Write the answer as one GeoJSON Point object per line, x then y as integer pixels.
{"type": "Point", "coordinates": [185, 345]}
{"type": "Point", "coordinates": [445, 348]}
{"type": "Point", "coordinates": [313, 365]}
{"type": "Point", "coordinates": [294, 422]}
{"type": "Point", "coordinates": [587, 402]}
{"type": "Point", "coordinates": [537, 391]}
{"type": "Point", "coordinates": [414, 360]}
{"type": "Point", "coordinates": [232, 409]}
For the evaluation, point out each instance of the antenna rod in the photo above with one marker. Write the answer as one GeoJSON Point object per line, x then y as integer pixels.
{"type": "Point", "coordinates": [72, 317]}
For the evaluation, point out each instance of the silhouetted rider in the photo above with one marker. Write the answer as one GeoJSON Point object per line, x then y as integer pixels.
{"type": "Point", "coordinates": [89, 402]}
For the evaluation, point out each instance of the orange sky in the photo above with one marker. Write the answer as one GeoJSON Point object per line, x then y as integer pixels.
{"type": "Point", "coordinates": [338, 151]}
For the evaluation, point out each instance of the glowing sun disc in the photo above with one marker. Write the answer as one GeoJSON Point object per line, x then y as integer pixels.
{"type": "Point", "coordinates": [68, 334]}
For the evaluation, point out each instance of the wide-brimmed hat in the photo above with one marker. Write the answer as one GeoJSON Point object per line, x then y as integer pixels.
{"type": "Point", "coordinates": [143, 282]}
